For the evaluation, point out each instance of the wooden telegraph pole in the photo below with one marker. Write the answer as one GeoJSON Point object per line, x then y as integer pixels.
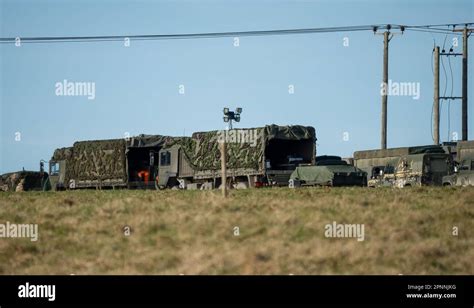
{"type": "Point", "coordinates": [436, 96]}
{"type": "Point", "coordinates": [224, 166]}
{"type": "Point", "coordinates": [464, 82]}
{"type": "Point", "coordinates": [387, 36]}
{"type": "Point", "coordinates": [386, 40]}
{"type": "Point", "coordinates": [465, 36]}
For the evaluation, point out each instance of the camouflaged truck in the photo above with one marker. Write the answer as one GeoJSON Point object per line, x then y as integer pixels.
{"type": "Point", "coordinates": [401, 167]}
{"type": "Point", "coordinates": [463, 170]}
{"type": "Point", "coordinates": [116, 163]}
{"type": "Point", "coordinates": [25, 181]}
{"type": "Point", "coordinates": [256, 157]}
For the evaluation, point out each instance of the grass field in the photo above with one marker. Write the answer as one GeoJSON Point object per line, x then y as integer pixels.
{"type": "Point", "coordinates": [281, 231]}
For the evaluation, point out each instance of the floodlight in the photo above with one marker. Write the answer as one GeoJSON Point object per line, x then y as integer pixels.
{"type": "Point", "coordinates": [230, 116]}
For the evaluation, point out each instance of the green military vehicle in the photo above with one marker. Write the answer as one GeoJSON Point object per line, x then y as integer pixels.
{"type": "Point", "coordinates": [422, 169]}
{"type": "Point", "coordinates": [463, 174]}
{"type": "Point", "coordinates": [102, 164]}
{"type": "Point", "coordinates": [463, 170]}
{"type": "Point", "coordinates": [401, 167]}
{"type": "Point", "coordinates": [328, 171]}
{"type": "Point", "coordinates": [25, 181]}
{"type": "Point", "coordinates": [256, 157]}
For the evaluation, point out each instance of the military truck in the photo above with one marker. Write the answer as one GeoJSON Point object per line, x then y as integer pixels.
{"type": "Point", "coordinates": [25, 181]}
{"type": "Point", "coordinates": [401, 167]}
{"type": "Point", "coordinates": [422, 169]}
{"type": "Point", "coordinates": [328, 171]}
{"type": "Point", "coordinates": [256, 157]}
{"type": "Point", "coordinates": [463, 174]}
{"type": "Point", "coordinates": [463, 170]}
{"type": "Point", "coordinates": [104, 164]}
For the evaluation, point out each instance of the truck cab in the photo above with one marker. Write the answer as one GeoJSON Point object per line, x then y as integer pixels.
{"type": "Point", "coordinates": [57, 174]}
{"type": "Point", "coordinates": [168, 171]}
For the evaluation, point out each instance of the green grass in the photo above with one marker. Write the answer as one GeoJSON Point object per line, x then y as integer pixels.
{"type": "Point", "coordinates": [407, 231]}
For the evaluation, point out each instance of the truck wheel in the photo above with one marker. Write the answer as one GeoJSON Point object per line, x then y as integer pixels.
{"type": "Point", "coordinates": [241, 185]}
{"type": "Point", "coordinates": [158, 186]}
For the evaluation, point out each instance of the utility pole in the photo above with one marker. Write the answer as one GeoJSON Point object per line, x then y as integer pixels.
{"type": "Point", "coordinates": [387, 36]}
{"type": "Point", "coordinates": [224, 166]}
{"type": "Point", "coordinates": [464, 83]}
{"type": "Point", "coordinates": [465, 36]}
{"type": "Point", "coordinates": [436, 96]}
{"type": "Point", "coordinates": [386, 40]}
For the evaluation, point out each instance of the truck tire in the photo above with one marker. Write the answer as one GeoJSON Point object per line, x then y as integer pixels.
{"type": "Point", "coordinates": [158, 186]}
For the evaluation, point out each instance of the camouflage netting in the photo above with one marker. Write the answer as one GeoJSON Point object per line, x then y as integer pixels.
{"type": "Point", "coordinates": [148, 141]}
{"type": "Point", "coordinates": [295, 132]}
{"type": "Point", "coordinates": [245, 147]}
{"type": "Point", "coordinates": [24, 181]}
{"type": "Point", "coordinates": [94, 160]}
{"type": "Point", "coordinates": [62, 154]}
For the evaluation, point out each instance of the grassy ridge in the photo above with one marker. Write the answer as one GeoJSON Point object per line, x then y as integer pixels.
{"type": "Point", "coordinates": [407, 231]}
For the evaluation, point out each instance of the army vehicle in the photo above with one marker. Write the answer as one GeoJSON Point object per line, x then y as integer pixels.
{"type": "Point", "coordinates": [328, 171]}
{"type": "Point", "coordinates": [401, 167]}
{"type": "Point", "coordinates": [24, 181]}
{"type": "Point", "coordinates": [463, 170]}
{"type": "Point", "coordinates": [463, 174]}
{"type": "Point", "coordinates": [256, 157]}
{"type": "Point", "coordinates": [104, 164]}
{"type": "Point", "coordinates": [382, 176]}
{"type": "Point", "coordinates": [422, 169]}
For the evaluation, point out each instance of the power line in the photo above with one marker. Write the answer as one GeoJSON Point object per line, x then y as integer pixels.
{"type": "Point", "coordinates": [104, 38]}
{"type": "Point", "coordinates": [444, 31]}
{"type": "Point", "coordinates": [195, 35]}
{"type": "Point", "coordinates": [442, 25]}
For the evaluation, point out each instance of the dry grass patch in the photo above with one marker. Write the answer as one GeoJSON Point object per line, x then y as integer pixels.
{"type": "Point", "coordinates": [407, 231]}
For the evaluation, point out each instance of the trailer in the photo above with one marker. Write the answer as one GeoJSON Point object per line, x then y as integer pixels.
{"type": "Point", "coordinates": [328, 171]}
{"type": "Point", "coordinates": [256, 157]}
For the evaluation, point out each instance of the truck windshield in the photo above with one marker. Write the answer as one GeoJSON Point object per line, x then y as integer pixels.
{"type": "Point", "coordinates": [54, 168]}
{"type": "Point", "coordinates": [165, 158]}
{"type": "Point", "coordinates": [439, 165]}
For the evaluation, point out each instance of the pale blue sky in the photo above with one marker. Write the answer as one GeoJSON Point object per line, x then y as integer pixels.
{"type": "Point", "coordinates": [137, 88]}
